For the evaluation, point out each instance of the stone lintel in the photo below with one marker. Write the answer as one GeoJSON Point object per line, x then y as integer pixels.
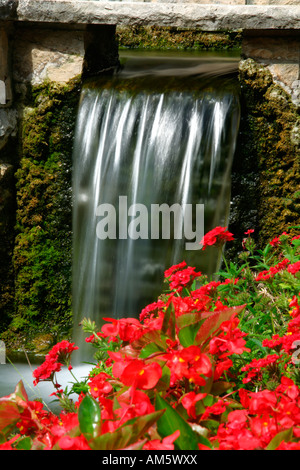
{"type": "Point", "coordinates": [207, 17]}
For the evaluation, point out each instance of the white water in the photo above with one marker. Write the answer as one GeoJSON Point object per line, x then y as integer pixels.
{"type": "Point", "coordinates": [153, 147]}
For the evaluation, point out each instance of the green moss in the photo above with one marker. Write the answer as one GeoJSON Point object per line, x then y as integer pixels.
{"type": "Point", "coordinates": [168, 38]}
{"type": "Point", "coordinates": [267, 157]}
{"type": "Point", "coordinates": [43, 243]}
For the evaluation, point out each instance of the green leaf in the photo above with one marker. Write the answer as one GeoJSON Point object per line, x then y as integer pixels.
{"type": "Point", "coordinates": [255, 342]}
{"type": "Point", "coordinates": [282, 436]}
{"type": "Point", "coordinates": [187, 319]}
{"type": "Point", "coordinates": [154, 336]}
{"type": "Point", "coordinates": [79, 387]}
{"type": "Point", "coordinates": [168, 326]}
{"type": "Point", "coordinates": [89, 417]}
{"type": "Point", "coordinates": [220, 387]}
{"type": "Point", "coordinates": [170, 422]}
{"type": "Point", "coordinates": [188, 324]}
{"type": "Point", "coordinates": [213, 321]}
{"type": "Point", "coordinates": [188, 334]}
{"type": "Point", "coordinates": [164, 381]}
{"type": "Point", "coordinates": [203, 440]}
{"type": "Point", "coordinates": [10, 408]}
{"type": "Point", "coordinates": [127, 435]}
{"type": "Point", "coordinates": [149, 349]}
{"type": "Point", "coordinates": [24, 444]}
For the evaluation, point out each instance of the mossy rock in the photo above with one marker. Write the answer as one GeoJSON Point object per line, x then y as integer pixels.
{"type": "Point", "coordinates": [43, 343]}
{"type": "Point", "coordinates": [267, 158]}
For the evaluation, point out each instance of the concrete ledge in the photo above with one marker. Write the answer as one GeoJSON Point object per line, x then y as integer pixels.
{"type": "Point", "coordinates": [207, 17]}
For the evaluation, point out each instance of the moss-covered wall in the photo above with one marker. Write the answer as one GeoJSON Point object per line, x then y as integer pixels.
{"type": "Point", "coordinates": [43, 229]}
{"type": "Point", "coordinates": [266, 170]}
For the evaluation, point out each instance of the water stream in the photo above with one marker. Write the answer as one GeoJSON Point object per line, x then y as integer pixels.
{"type": "Point", "coordinates": [161, 133]}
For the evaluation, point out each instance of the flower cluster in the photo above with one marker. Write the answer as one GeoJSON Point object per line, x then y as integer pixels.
{"type": "Point", "coordinates": [184, 375]}
{"type": "Point", "coordinates": [218, 236]}
{"type": "Point", "coordinates": [180, 276]}
{"type": "Point", "coordinates": [265, 414]}
{"type": "Point", "coordinates": [54, 360]}
{"type": "Point", "coordinates": [269, 273]}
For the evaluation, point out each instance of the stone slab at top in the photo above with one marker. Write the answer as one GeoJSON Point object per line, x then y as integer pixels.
{"type": "Point", "coordinates": [207, 17]}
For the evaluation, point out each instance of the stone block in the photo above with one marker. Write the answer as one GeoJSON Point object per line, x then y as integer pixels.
{"type": "Point", "coordinates": [47, 54]}
{"type": "Point", "coordinates": [8, 125]}
{"type": "Point", "coordinates": [5, 83]}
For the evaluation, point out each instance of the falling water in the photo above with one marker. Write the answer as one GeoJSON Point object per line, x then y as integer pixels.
{"type": "Point", "coordinates": [160, 140]}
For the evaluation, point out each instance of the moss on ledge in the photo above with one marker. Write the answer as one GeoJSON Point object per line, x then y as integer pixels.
{"type": "Point", "coordinates": [167, 38]}
{"type": "Point", "coordinates": [43, 243]}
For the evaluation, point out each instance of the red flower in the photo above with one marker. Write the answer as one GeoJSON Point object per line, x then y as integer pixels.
{"type": "Point", "coordinates": [274, 343]}
{"type": "Point", "coordinates": [30, 417]}
{"type": "Point", "coordinates": [61, 352]}
{"type": "Point", "coordinates": [141, 375]}
{"type": "Point", "coordinates": [256, 366]}
{"type": "Point", "coordinates": [183, 278]}
{"type": "Point", "coordinates": [268, 273]}
{"type": "Point", "coordinates": [46, 370]}
{"type": "Point", "coordinates": [288, 387]}
{"type": "Point", "coordinates": [216, 409]}
{"type": "Point", "coordinates": [275, 242]}
{"type": "Point", "coordinates": [218, 236]}
{"type": "Point", "coordinates": [165, 444]}
{"type": "Point", "coordinates": [127, 329]}
{"type": "Point", "coordinates": [180, 275]}
{"type": "Point", "coordinates": [73, 443]}
{"type": "Point", "coordinates": [133, 403]}
{"type": "Point", "coordinates": [221, 367]}
{"type": "Point", "coordinates": [189, 363]}
{"type": "Point", "coordinates": [189, 402]}
{"type": "Point", "coordinates": [288, 446]}
{"type": "Point", "coordinates": [229, 341]}
{"type": "Point", "coordinates": [99, 385]}
{"type": "Point", "coordinates": [174, 268]}
{"type": "Point", "coordinates": [150, 309]}
{"type": "Point", "coordinates": [262, 402]}
{"type": "Point", "coordinates": [8, 444]}
{"type": "Point", "coordinates": [294, 268]}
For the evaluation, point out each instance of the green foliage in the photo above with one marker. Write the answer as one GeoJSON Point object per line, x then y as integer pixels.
{"type": "Point", "coordinates": [89, 417]}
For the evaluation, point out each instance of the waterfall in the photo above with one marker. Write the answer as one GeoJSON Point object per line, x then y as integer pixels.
{"type": "Point", "coordinates": [146, 138]}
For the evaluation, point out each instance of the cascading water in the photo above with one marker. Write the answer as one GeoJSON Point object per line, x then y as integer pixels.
{"type": "Point", "coordinates": [141, 143]}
